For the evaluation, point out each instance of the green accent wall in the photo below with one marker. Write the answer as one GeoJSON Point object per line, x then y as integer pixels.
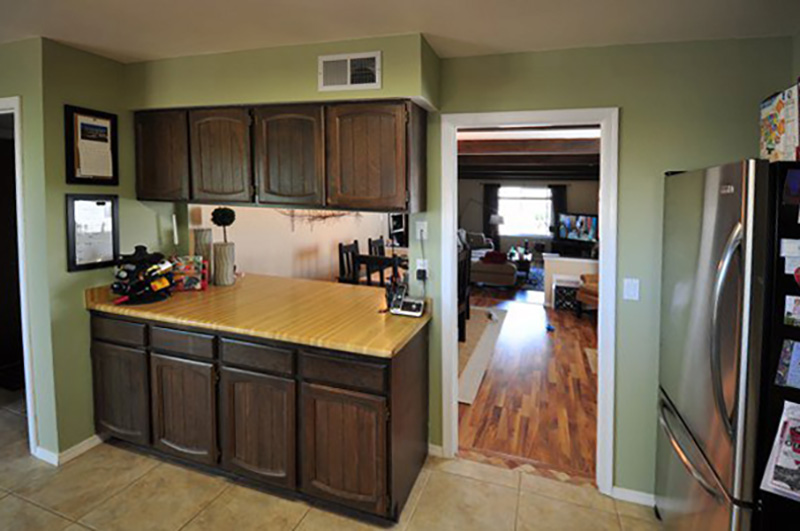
{"type": "Point", "coordinates": [682, 106]}
{"type": "Point", "coordinates": [79, 78]}
{"type": "Point", "coordinates": [270, 75]}
{"type": "Point", "coordinates": [21, 64]}
{"type": "Point", "coordinates": [796, 57]}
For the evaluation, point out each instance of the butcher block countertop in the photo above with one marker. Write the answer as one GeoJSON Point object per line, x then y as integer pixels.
{"type": "Point", "coordinates": [308, 312]}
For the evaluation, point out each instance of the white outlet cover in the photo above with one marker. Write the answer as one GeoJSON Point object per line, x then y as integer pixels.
{"type": "Point", "coordinates": [422, 263]}
{"type": "Point", "coordinates": [630, 289]}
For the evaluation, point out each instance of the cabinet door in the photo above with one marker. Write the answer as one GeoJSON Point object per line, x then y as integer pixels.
{"type": "Point", "coordinates": [162, 155]}
{"type": "Point", "coordinates": [220, 140]}
{"type": "Point", "coordinates": [289, 154]}
{"type": "Point", "coordinates": [184, 408]}
{"type": "Point", "coordinates": [258, 426]}
{"type": "Point", "coordinates": [344, 447]}
{"type": "Point", "coordinates": [121, 396]}
{"type": "Point", "coordinates": [367, 156]}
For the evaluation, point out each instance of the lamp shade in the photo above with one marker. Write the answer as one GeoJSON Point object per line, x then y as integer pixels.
{"type": "Point", "coordinates": [496, 219]}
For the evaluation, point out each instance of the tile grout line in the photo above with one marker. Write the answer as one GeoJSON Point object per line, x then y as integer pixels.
{"type": "Point", "coordinates": [228, 487]}
{"type": "Point", "coordinates": [115, 494]}
{"type": "Point", "coordinates": [42, 507]}
{"type": "Point", "coordinates": [419, 499]}
{"type": "Point", "coordinates": [310, 507]}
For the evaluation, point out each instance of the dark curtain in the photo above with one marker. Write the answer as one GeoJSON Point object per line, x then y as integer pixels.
{"type": "Point", "coordinates": [558, 194]}
{"type": "Point", "coordinates": [490, 206]}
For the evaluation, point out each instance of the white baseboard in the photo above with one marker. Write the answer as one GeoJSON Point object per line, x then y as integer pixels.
{"type": "Point", "coordinates": [69, 454]}
{"type": "Point", "coordinates": [634, 496]}
{"type": "Point", "coordinates": [435, 450]}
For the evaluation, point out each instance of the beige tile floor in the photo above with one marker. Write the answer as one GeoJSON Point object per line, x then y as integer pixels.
{"type": "Point", "coordinates": [109, 488]}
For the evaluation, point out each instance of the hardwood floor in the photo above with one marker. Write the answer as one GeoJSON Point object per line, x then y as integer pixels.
{"type": "Point", "coordinates": [537, 405]}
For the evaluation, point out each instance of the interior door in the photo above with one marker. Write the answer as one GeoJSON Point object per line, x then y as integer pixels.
{"type": "Point", "coordinates": [702, 286]}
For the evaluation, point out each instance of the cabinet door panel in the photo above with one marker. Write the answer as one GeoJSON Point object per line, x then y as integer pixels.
{"type": "Point", "coordinates": [344, 447]}
{"type": "Point", "coordinates": [162, 155]}
{"type": "Point", "coordinates": [184, 408]}
{"type": "Point", "coordinates": [220, 140]}
{"type": "Point", "coordinates": [121, 396]}
{"type": "Point", "coordinates": [289, 154]}
{"type": "Point", "coordinates": [367, 156]}
{"type": "Point", "coordinates": [258, 426]}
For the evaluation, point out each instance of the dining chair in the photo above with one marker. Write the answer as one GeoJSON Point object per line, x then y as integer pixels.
{"type": "Point", "coordinates": [349, 263]}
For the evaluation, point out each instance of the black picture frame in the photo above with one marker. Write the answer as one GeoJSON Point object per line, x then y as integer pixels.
{"type": "Point", "coordinates": [71, 114]}
{"type": "Point", "coordinates": [72, 263]}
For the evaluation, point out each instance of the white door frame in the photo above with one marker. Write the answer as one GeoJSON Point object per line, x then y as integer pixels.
{"type": "Point", "coordinates": [608, 120]}
{"type": "Point", "coordinates": [13, 106]}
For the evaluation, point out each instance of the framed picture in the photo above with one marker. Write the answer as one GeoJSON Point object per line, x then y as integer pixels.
{"type": "Point", "coordinates": [91, 146]}
{"type": "Point", "coordinates": [92, 231]}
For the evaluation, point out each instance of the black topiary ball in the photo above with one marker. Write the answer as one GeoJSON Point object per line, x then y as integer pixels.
{"type": "Point", "coordinates": [223, 217]}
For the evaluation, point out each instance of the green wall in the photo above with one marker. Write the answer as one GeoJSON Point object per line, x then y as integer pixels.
{"type": "Point", "coordinates": [284, 74]}
{"type": "Point", "coordinates": [21, 65]}
{"type": "Point", "coordinates": [796, 57]}
{"type": "Point", "coordinates": [681, 106]}
{"type": "Point", "coordinates": [86, 80]}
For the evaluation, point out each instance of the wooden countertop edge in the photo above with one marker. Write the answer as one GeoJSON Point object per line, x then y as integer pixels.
{"type": "Point", "coordinates": [135, 313]}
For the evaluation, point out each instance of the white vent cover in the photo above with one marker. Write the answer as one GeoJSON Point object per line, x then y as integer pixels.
{"type": "Point", "coordinates": [353, 71]}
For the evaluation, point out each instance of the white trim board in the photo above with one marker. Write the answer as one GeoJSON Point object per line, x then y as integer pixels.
{"type": "Point", "coordinates": [633, 496]}
{"type": "Point", "coordinates": [69, 454]}
{"type": "Point", "coordinates": [13, 105]}
{"type": "Point", "coordinates": [608, 120]}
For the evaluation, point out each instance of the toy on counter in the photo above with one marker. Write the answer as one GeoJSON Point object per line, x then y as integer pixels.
{"type": "Point", "coordinates": [142, 277]}
{"type": "Point", "coordinates": [190, 273]}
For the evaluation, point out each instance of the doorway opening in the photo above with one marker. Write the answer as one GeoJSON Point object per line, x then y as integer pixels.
{"type": "Point", "coordinates": [527, 235]}
{"type": "Point", "coordinates": [17, 421]}
{"type": "Point", "coordinates": [543, 390]}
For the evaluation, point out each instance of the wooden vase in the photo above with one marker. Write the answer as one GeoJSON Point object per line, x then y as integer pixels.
{"type": "Point", "coordinates": [224, 264]}
{"type": "Point", "coordinates": [203, 246]}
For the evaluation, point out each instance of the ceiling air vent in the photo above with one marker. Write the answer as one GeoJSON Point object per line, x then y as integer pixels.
{"type": "Point", "coordinates": [354, 71]}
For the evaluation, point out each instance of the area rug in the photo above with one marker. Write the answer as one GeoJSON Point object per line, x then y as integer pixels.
{"type": "Point", "coordinates": [474, 355]}
{"type": "Point", "coordinates": [591, 358]}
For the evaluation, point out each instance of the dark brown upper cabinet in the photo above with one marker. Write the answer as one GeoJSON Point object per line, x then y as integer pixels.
{"type": "Point", "coordinates": [257, 425]}
{"type": "Point", "coordinates": [184, 401]}
{"type": "Point", "coordinates": [162, 156]}
{"type": "Point", "coordinates": [368, 156]}
{"type": "Point", "coordinates": [289, 154]}
{"type": "Point", "coordinates": [220, 154]}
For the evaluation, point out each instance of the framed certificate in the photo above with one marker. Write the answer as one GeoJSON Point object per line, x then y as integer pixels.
{"type": "Point", "coordinates": [91, 146]}
{"type": "Point", "coordinates": [92, 231]}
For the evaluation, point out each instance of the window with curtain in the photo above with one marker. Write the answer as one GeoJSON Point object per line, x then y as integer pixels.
{"type": "Point", "coordinates": [525, 211]}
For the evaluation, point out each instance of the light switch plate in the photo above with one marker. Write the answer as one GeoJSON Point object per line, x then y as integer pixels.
{"type": "Point", "coordinates": [630, 289]}
{"type": "Point", "coordinates": [422, 230]}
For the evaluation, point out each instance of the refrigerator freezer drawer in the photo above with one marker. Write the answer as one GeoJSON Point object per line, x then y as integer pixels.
{"type": "Point", "coordinates": [688, 494]}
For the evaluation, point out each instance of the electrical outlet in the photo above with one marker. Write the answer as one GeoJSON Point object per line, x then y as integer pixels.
{"type": "Point", "coordinates": [422, 263]}
{"type": "Point", "coordinates": [422, 230]}
{"type": "Point", "coordinates": [422, 269]}
{"type": "Point", "coordinates": [630, 289]}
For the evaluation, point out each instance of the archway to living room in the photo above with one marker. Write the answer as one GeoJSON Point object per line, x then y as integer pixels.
{"type": "Point", "coordinates": [528, 376]}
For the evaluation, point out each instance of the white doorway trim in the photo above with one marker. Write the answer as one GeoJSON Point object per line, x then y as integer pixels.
{"type": "Point", "coordinates": [13, 106]}
{"type": "Point", "coordinates": [608, 120]}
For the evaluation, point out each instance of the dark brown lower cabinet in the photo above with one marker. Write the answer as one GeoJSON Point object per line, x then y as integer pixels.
{"type": "Point", "coordinates": [121, 392]}
{"type": "Point", "coordinates": [257, 424]}
{"type": "Point", "coordinates": [184, 408]}
{"type": "Point", "coordinates": [344, 447]}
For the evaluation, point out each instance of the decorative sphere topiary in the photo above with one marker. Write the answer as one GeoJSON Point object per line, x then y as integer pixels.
{"type": "Point", "coordinates": [223, 217]}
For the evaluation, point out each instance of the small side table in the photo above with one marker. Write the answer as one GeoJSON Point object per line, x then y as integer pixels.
{"type": "Point", "coordinates": [565, 291]}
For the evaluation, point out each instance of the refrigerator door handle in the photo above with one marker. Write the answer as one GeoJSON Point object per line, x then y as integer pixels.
{"type": "Point", "coordinates": [733, 245]}
{"type": "Point", "coordinates": [712, 487]}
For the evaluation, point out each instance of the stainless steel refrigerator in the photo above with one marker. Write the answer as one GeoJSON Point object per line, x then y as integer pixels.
{"type": "Point", "coordinates": [718, 300]}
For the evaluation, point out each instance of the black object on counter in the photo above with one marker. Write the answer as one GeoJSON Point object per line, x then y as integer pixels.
{"type": "Point", "coordinates": [142, 277]}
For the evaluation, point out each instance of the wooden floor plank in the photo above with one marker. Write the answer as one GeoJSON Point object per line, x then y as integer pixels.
{"type": "Point", "coordinates": [538, 401]}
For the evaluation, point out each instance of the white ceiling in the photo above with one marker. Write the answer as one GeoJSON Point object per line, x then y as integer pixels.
{"type": "Point", "coordinates": [136, 30]}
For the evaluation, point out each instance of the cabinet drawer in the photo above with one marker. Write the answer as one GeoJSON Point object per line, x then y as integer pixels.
{"type": "Point", "coordinates": [180, 342]}
{"type": "Point", "coordinates": [258, 357]}
{"type": "Point", "coordinates": [346, 373]}
{"type": "Point", "coordinates": [120, 332]}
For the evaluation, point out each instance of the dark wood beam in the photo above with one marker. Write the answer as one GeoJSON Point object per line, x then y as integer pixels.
{"type": "Point", "coordinates": [572, 146]}
{"type": "Point", "coordinates": [528, 160]}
